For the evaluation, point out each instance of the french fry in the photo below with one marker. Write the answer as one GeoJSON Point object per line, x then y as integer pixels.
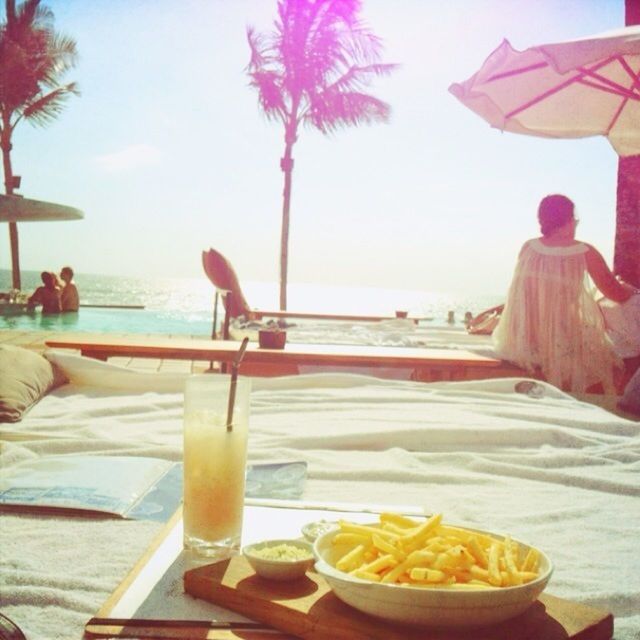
{"type": "Point", "coordinates": [383, 562]}
{"type": "Point", "coordinates": [350, 538]}
{"type": "Point", "coordinates": [437, 545]}
{"type": "Point", "coordinates": [421, 558]}
{"type": "Point", "coordinates": [420, 533]}
{"type": "Point", "coordinates": [477, 552]}
{"type": "Point", "coordinates": [352, 559]}
{"type": "Point", "coordinates": [428, 575]}
{"type": "Point", "coordinates": [494, 566]}
{"type": "Point", "coordinates": [398, 520]}
{"type": "Point", "coordinates": [531, 560]}
{"type": "Point", "coordinates": [510, 562]}
{"type": "Point", "coordinates": [350, 527]}
{"type": "Point", "coordinates": [394, 528]}
{"type": "Point", "coordinates": [479, 573]}
{"type": "Point", "coordinates": [461, 555]}
{"type": "Point", "coordinates": [395, 573]}
{"type": "Point", "coordinates": [383, 545]}
{"type": "Point", "coordinates": [430, 555]}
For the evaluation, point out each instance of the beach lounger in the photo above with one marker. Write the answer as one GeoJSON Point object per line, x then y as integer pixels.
{"type": "Point", "coordinates": [223, 276]}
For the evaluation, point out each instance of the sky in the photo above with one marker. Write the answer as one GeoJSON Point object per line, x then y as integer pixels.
{"type": "Point", "coordinates": [167, 153]}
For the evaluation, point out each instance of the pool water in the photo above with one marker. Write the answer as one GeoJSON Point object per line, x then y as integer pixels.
{"type": "Point", "coordinates": [112, 321]}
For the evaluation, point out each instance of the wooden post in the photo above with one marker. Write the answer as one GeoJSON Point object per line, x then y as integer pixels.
{"type": "Point", "coordinates": [214, 326]}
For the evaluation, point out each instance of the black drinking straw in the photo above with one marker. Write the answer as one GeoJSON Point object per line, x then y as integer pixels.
{"type": "Point", "coordinates": [234, 382]}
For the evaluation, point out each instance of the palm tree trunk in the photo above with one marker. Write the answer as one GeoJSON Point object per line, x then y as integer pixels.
{"type": "Point", "coordinates": [626, 262]}
{"type": "Point", "coordinates": [5, 143]}
{"type": "Point", "coordinates": [286, 164]}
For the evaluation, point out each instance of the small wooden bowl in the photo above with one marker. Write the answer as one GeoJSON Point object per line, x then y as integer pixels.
{"type": "Point", "coordinates": [270, 339]}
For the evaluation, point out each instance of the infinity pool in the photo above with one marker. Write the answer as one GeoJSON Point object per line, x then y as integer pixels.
{"type": "Point", "coordinates": [111, 321]}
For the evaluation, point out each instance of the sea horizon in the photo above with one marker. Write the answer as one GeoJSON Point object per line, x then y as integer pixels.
{"type": "Point", "coordinates": [195, 295]}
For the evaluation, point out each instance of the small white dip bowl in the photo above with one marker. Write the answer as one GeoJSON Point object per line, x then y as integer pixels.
{"type": "Point", "coordinates": [279, 569]}
{"type": "Point", "coordinates": [429, 607]}
{"type": "Point", "coordinates": [313, 530]}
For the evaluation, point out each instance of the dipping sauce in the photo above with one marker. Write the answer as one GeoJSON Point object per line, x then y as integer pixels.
{"type": "Point", "coordinates": [282, 552]}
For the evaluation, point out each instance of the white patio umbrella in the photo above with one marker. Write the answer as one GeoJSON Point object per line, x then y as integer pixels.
{"type": "Point", "coordinates": [571, 89]}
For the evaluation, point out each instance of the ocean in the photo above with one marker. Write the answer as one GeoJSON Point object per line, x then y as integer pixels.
{"type": "Point", "coordinates": [184, 305]}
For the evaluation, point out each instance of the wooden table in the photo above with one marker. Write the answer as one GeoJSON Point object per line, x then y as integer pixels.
{"type": "Point", "coordinates": [155, 588]}
{"type": "Point", "coordinates": [425, 364]}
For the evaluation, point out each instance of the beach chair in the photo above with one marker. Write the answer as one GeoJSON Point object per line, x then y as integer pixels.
{"type": "Point", "coordinates": [227, 286]}
{"type": "Point", "coordinates": [223, 277]}
{"type": "Point", "coordinates": [484, 323]}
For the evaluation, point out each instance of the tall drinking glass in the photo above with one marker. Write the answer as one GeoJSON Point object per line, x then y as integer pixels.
{"type": "Point", "coordinates": [214, 464]}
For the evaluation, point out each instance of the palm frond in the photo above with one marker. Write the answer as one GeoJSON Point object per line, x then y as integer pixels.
{"type": "Point", "coordinates": [316, 63]}
{"type": "Point", "coordinates": [334, 110]}
{"type": "Point", "coordinates": [46, 107]}
{"type": "Point", "coordinates": [29, 16]}
{"type": "Point", "coordinates": [256, 46]}
{"type": "Point", "coordinates": [363, 46]}
{"type": "Point", "coordinates": [270, 94]}
{"type": "Point", "coordinates": [62, 56]}
{"type": "Point", "coordinates": [357, 78]}
{"type": "Point", "coordinates": [64, 47]}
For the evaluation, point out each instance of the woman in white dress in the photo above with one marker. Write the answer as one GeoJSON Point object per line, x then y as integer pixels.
{"type": "Point", "coordinates": [551, 324]}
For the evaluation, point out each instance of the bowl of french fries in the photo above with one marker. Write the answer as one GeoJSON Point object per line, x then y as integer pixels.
{"type": "Point", "coordinates": [424, 572]}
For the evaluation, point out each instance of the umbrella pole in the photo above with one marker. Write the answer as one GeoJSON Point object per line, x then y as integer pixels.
{"type": "Point", "coordinates": [15, 255]}
{"type": "Point", "coordinates": [5, 143]}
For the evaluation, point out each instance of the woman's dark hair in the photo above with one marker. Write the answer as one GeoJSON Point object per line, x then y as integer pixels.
{"type": "Point", "coordinates": [554, 212]}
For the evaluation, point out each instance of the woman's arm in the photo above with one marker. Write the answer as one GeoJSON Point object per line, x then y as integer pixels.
{"type": "Point", "coordinates": [604, 279]}
{"type": "Point", "coordinates": [35, 298]}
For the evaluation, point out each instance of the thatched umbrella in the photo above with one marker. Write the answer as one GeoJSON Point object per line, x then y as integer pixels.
{"type": "Point", "coordinates": [16, 209]}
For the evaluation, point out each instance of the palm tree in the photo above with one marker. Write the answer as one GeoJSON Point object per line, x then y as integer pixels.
{"type": "Point", "coordinates": [627, 252]}
{"type": "Point", "coordinates": [33, 59]}
{"type": "Point", "coordinates": [312, 69]}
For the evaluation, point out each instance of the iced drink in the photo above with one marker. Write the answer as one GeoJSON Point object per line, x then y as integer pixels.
{"type": "Point", "coordinates": [214, 465]}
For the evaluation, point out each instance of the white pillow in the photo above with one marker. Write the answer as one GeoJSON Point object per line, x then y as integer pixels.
{"type": "Point", "coordinates": [87, 372]}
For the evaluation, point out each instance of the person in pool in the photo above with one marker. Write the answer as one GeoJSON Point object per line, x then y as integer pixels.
{"type": "Point", "coordinates": [69, 298]}
{"type": "Point", "coordinates": [48, 295]}
{"type": "Point", "coordinates": [551, 324]}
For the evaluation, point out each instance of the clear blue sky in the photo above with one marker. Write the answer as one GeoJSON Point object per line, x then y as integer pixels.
{"type": "Point", "coordinates": [167, 153]}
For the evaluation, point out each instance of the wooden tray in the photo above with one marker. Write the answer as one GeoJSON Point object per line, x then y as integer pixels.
{"type": "Point", "coordinates": [307, 608]}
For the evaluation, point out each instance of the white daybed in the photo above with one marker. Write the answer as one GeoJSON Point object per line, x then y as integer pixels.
{"type": "Point", "coordinates": [550, 470]}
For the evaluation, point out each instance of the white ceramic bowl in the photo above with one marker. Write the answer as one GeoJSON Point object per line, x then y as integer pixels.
{"type": "Point", "coordinates": [279, 569]}
{"type": "Point", "coordinates": [429, 607]}
{"type": "Point", "coordinates": [313, 530]}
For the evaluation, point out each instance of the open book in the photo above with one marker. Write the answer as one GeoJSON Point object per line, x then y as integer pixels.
{"type": "Point", "coordinates": [125, 486]}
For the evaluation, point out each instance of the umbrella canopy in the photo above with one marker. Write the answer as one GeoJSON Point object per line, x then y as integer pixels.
{"type": "Point", "coordinates": [571, 89]}
{"type": "Point", "coordinates": [14, 209]}
{"type": "Point", "coordinates": [18, 209]}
